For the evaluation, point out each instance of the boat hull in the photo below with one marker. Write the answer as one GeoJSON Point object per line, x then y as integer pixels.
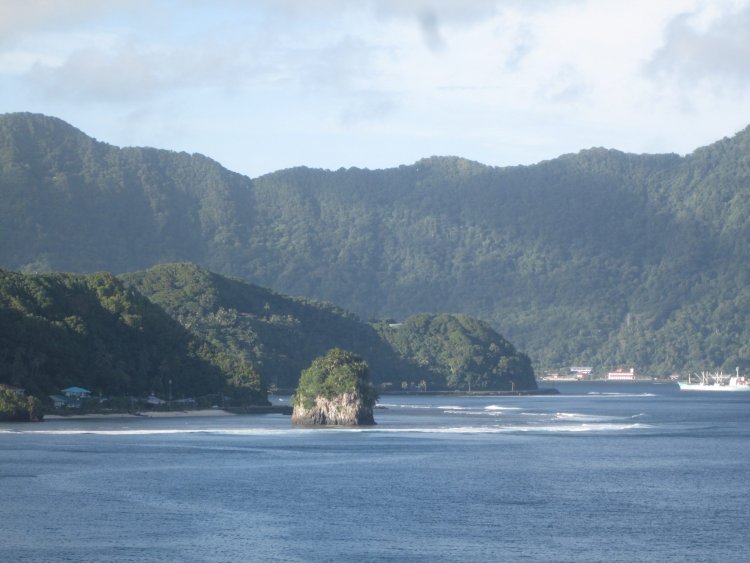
{"type": "Point", "coordinates": [722, 388]}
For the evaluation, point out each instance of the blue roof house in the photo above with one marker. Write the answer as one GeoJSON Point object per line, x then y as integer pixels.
{"type": "Point", "coordinates": [77, 392]}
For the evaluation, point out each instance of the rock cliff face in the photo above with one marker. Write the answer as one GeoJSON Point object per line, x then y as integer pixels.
{"type": "Point", "coordinates": [347, 409]}
{"type": "Point", "coordinates": [335, 390]}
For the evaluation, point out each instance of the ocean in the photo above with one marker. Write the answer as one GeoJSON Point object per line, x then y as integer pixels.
{"type": "Point", "coordinates": [602, 472]}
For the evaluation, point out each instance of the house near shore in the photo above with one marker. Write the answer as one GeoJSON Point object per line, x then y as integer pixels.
{"type": "Point", "coordinates": [621, 375]}
{"type": "Point", "coordinates": [71, 397]}
{"type": "Point", "coordinates": [61, 401]}
{"type": "Point", "coordinates": [76, 393]}
{"type": "Point", "coordinates": [581, 372]}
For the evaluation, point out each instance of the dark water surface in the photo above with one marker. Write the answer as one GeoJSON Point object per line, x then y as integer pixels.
{"type": "Point", "coordinates": [608, 472]}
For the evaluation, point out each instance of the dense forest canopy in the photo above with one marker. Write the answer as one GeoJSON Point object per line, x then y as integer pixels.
{"type": "Point", "coordinates": [463, 352]}
{"type": "Point", "coordinates": [90, 331]}
{"type": "Point", "coordinates": [337, 372]}
{"type": "Point", "coordinates": [599, 258]}
{"type": "Point", "coordinates": [280, 336]}
{"type": "Point", "coordinates": [179, 328]}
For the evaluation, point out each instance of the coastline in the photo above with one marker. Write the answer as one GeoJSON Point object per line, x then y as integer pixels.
{"type": "Point", "coordinates": [175, 414]}
{"type": "Point", "coordinates": [146, 414]}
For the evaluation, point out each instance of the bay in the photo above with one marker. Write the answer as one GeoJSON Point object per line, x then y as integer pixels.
{"type": "Point", "coordinates": [602, 472]}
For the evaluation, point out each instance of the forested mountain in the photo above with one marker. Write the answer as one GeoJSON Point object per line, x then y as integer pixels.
{"type": "Point", "coordinates": [208, 334]}
{"type": "Point", "coordinates": [465, 352]}
{"type": "Point", "coordinates": [599, 258]}
{"type": "Point", "coordinates": [62, 330]}
{"type": "Point", "coordinates": [280, 336]}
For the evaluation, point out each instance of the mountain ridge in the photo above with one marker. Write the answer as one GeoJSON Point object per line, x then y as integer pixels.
{"type": "Point", "coordinates": [599, 257]}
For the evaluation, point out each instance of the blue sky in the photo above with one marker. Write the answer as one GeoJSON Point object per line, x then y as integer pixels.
{"type": "Point", "coordinates": [269, 84]}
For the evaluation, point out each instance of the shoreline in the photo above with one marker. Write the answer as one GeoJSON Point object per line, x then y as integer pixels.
{"type": "Point", "coordinates": [238, 411]}
{"type": "Point", "coordinates": [146, 414]}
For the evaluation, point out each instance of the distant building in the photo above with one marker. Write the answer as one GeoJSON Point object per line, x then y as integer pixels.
{"type": "Point", "coordinates": [581, 372]}
{"type": "Point", "coordinates": [557, 377]}
{"type": "Point", "coordinates": [621, 375]}
{"type": "Point", "coordinates": [76, 392]}
{"type": "Point", "coordinates": [60, 401]}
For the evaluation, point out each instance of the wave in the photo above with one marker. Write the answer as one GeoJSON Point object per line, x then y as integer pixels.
{"type": "Point", "coordinates": [447, 407]}
{"type": "Point", "coordinates": [591, 426]}
{"type": "Point", "coordinates": [579, 417]}
{"type": "Point", "coordinates": [585, 427]}
{"type": "Point", "coordinates": [506, 429]}
{"type": "Point", "coordinates": [489, 410]}
{"type": "Point", "coordinates": [491, 414]}
{"type": "Point", "coordinates": [613, 394]}
{"type": "Point", "coordinates": [405, 406]}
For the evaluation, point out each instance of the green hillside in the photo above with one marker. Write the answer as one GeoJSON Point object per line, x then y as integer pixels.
{"type": "Point", "coordinates": [280, 336]}
{"type": "Point", "coordinates": [599, 258]}
{"type": "Point", "coordinates": [71, 203]}
{"type": "Point", "coordinates": [464, 352]}
{"type": "Point", "coordinates": [180, 329]}
{"type": "Point", "coordinates": [62, 330]}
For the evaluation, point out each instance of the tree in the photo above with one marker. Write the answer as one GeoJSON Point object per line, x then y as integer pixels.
{"type": "Point", "coordinates": [15, 407]}
{"type": "Point", "coordinates": [336, 373]}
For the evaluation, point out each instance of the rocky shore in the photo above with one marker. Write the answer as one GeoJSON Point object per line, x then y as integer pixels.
{"type": "Point", "coordinates": [346, 409]}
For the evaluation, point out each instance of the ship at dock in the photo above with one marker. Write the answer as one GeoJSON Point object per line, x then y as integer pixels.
{"type": "Point", "coordinates": [715, 382]}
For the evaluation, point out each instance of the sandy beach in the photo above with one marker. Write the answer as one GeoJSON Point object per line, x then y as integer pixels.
{"type": "Point", "coordinates": [145, 414]}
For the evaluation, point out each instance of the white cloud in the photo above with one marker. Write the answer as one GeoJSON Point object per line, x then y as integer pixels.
{"type": "Point", "coordinates": [706, 47]}
{"type": "Point", "coordinates": [336, 83]}
{"type": "Point", "coordinates": [22, 17]}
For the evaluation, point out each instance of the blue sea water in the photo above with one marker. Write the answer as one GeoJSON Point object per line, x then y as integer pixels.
{"type": "Point", "coordinates": [607, 472]}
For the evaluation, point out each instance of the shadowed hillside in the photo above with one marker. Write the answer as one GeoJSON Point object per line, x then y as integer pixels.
{"type": "Point", "coordinates": [62, 330]}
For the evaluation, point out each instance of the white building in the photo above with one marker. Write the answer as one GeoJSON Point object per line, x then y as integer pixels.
{"type": "Point", "coordinates": [621, 375]}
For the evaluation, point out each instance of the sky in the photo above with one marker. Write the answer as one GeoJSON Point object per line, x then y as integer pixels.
{"type": "Point", "coordinates": [263, 85]}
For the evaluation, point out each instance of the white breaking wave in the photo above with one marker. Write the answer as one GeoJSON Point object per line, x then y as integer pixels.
{"type": "Point", "coordinates": [603, 394]}
{"type": "Point", "coordinates": [402, 406]}
{"type": "Point", "coordinates": [500, 429]}
{"type": "Point", "coordinates": [579, 417]}
{"type": "Point", "coordinates": [501, 408]}
{"type": "Point", "coordinates": [490, 429]}
{"type": "Point", "coordinates": [474, 413]}
{"type": "Point", "coordinates": [586, 427]}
